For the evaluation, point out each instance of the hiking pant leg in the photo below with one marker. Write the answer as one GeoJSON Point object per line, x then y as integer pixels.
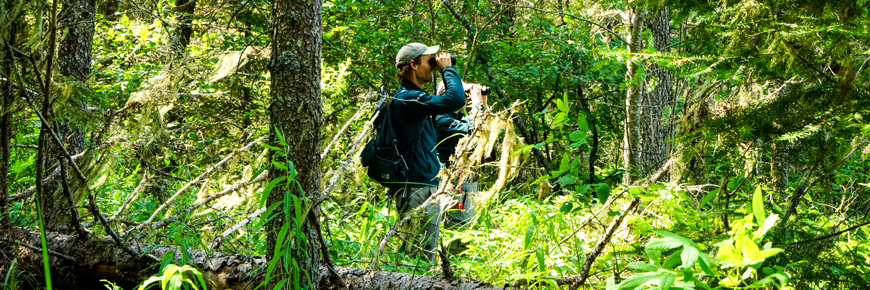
{"type": "Point", "coordinates": [431, 218]}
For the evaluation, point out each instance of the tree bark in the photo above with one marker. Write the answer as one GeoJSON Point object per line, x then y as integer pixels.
{"type": "Point", "coordinates": [653, 150]}
{"type": "Point", "coordinates": [296, 115]}
{"type": "Point", "coordinates": [74, 61]}
{"type": "Point", "coordinates": [81, 264]}
{"type": "Point", "coordinates": [631, 134]}
{"type": "Point", "coordinates": [7, 98]}
{"type": "Point", "coordinates": [183, 14]}
{"type": "Point", "coordinates": [645, 132]}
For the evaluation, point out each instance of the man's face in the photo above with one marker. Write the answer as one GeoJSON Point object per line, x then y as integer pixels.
{"type": "Point", "coordinates": [423, 69]}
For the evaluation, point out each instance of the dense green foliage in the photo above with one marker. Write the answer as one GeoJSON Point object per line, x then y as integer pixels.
{"type": "Point", "coordinates": [769, 174]}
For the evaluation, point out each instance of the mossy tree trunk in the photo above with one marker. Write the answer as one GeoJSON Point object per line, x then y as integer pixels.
{"type": "Point", "coordinates": [74, 63]}
{"type": "Point", "coordinates": [296, 114]}
{"type": "Point", "coordinates": [7, 98]}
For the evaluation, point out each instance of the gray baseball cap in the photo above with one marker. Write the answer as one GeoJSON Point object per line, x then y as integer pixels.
{"type": "Point", "coordinates": [413, 50]}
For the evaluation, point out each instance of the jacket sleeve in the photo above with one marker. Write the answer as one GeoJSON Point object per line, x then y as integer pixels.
{"type": "Point", "coordinates": [429, 104]}
{"type": "Point", "coordinates": [446, 125]}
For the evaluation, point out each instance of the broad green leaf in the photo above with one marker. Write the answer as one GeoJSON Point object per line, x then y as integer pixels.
{"type": "Point", "coordinates": [523, 149]}
{"type": "Point", "coordinates": [654, 255]}
{"type": "Point", "coordinates": [582, 126]}
{"type": "Point", "coordinates": [764, 254]}
{"type": "Point", "coordinates": [671, 261]}
{"type": "Point", "coordinates": [542, 178]}
{"type": "Point", "coordinates": [758, 204]}
{"type": "Point", "coordinates": [636, 281]}
{"type": "Point", "coordinates": [642, 266]}
{"type": "Point", "coordinates": [577, 136]}
{"type": "Point", "coordinates": [683, 240]}
{"type": "Point", "coordinates": [749, 247]}
{"type": "Point", "coordinates": [726, 253]}
{"type": "Point", "coordinates": [689, 256]}
{"type": "Point", "coordinates": [705, 263]}
{"type": "Point", "coordinates": [602, 192]}
{"type": "Point", "coordinates": [667, 280]}
{"type": "Point", "coordinates": [566, 208]}
{"type": "Point", "coordinates": [707, 198]}
{"type": "Point", "coordinates": [663, 244]}
{"type": "Point", "coordinates": [143, 32]}
{"type": "Point", "coordinates": [566, 180]}
{"type": "Point", "coordinates": [611, 284]}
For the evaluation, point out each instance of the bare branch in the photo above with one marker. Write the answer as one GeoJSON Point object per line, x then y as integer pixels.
{"type": "Point", "coordinates": [184, 188]}
{"type": "Point", "coordinates": [245, 221]}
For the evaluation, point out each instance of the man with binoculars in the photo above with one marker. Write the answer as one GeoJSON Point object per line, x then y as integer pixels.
{"type": "Point", "coordinates": [413, 110]}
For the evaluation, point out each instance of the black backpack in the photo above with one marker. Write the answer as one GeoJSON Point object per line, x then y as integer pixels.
{"type": "Point", "coordinates": [381, 155]}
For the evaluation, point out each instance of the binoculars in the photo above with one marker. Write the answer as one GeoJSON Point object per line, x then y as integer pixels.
{"type": "Point", "coordinates": [452, 61]}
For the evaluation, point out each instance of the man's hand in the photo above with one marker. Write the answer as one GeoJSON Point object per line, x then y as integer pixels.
{"type": "Point", "coordinates": [442, 60]}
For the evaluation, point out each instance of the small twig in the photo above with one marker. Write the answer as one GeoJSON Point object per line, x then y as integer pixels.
{"type": "Point", "coordinates": [50, 252]}
{"type": "Point", "coordinates": [235, 228]}
{"type": "Point", "coordinates": [347, 124]}
{"type": "Point", "coordinates": [199, 202]}
{"type": "Point", "coordinates": [445, 262]}
{"type": "Point", "coordinates": [832, 235]}
{"type": "Point", "coordinates": [602, 242]}
{"type": "Point", "coordinates": [136, 191]}
{"type": "Point", "coordinates": [74, 213]}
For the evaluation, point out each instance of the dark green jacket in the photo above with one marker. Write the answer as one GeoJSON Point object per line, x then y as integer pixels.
{"type": "Point", "coordinates": [414, 108]}
{"type": "Point", "coordinates": [450, 127]}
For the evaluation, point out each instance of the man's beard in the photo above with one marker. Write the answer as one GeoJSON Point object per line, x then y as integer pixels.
{"type": "Point", "coordinates": [427, 78]}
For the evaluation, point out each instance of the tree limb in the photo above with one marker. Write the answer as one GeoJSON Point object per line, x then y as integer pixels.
{"type": "Point", "coordinates": [569, 15]}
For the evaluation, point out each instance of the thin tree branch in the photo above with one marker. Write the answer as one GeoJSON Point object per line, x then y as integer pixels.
{"type": "Point", "coordinates": [50, 252]}
{"type": "Point", "coordinates": [569, 15]}
{"type": "Point", "coordinates": [184, 188]}
{"type": "Point", "coordinates": [347, 124]}
{"type": "Point", "coordinates": [74, 213]}
{"type": "Point", "coordinates": [834, 234]}
{"type": "Point", "coordinates": [236, 227]}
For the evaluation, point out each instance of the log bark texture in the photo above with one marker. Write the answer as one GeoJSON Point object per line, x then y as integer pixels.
{"type": "Point", "coordinates": [102, 259]}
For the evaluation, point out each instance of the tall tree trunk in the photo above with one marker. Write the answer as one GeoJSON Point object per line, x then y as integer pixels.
{"type": "Point", "coordinates": [631, 134]}
{"type": "Point", "coordinates": [295, 113]}
{"type": "Point", "coordinates": [183, 14]}
{"type": "Point", "coordinates": [73, 61]}
{"type": "Point", "coordinates": [653, 150]}
{"type": "Point", "coordinates": [645, 131]}
{"type": "Point", "coordinates": [7, 98]}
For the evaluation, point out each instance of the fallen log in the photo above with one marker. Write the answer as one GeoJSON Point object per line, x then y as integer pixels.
{"type": "Point", "coordinates": [100, 258]}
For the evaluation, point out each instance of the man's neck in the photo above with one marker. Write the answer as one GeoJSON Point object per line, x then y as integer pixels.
{"type": "Point", "coordinates": [416, 81]}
